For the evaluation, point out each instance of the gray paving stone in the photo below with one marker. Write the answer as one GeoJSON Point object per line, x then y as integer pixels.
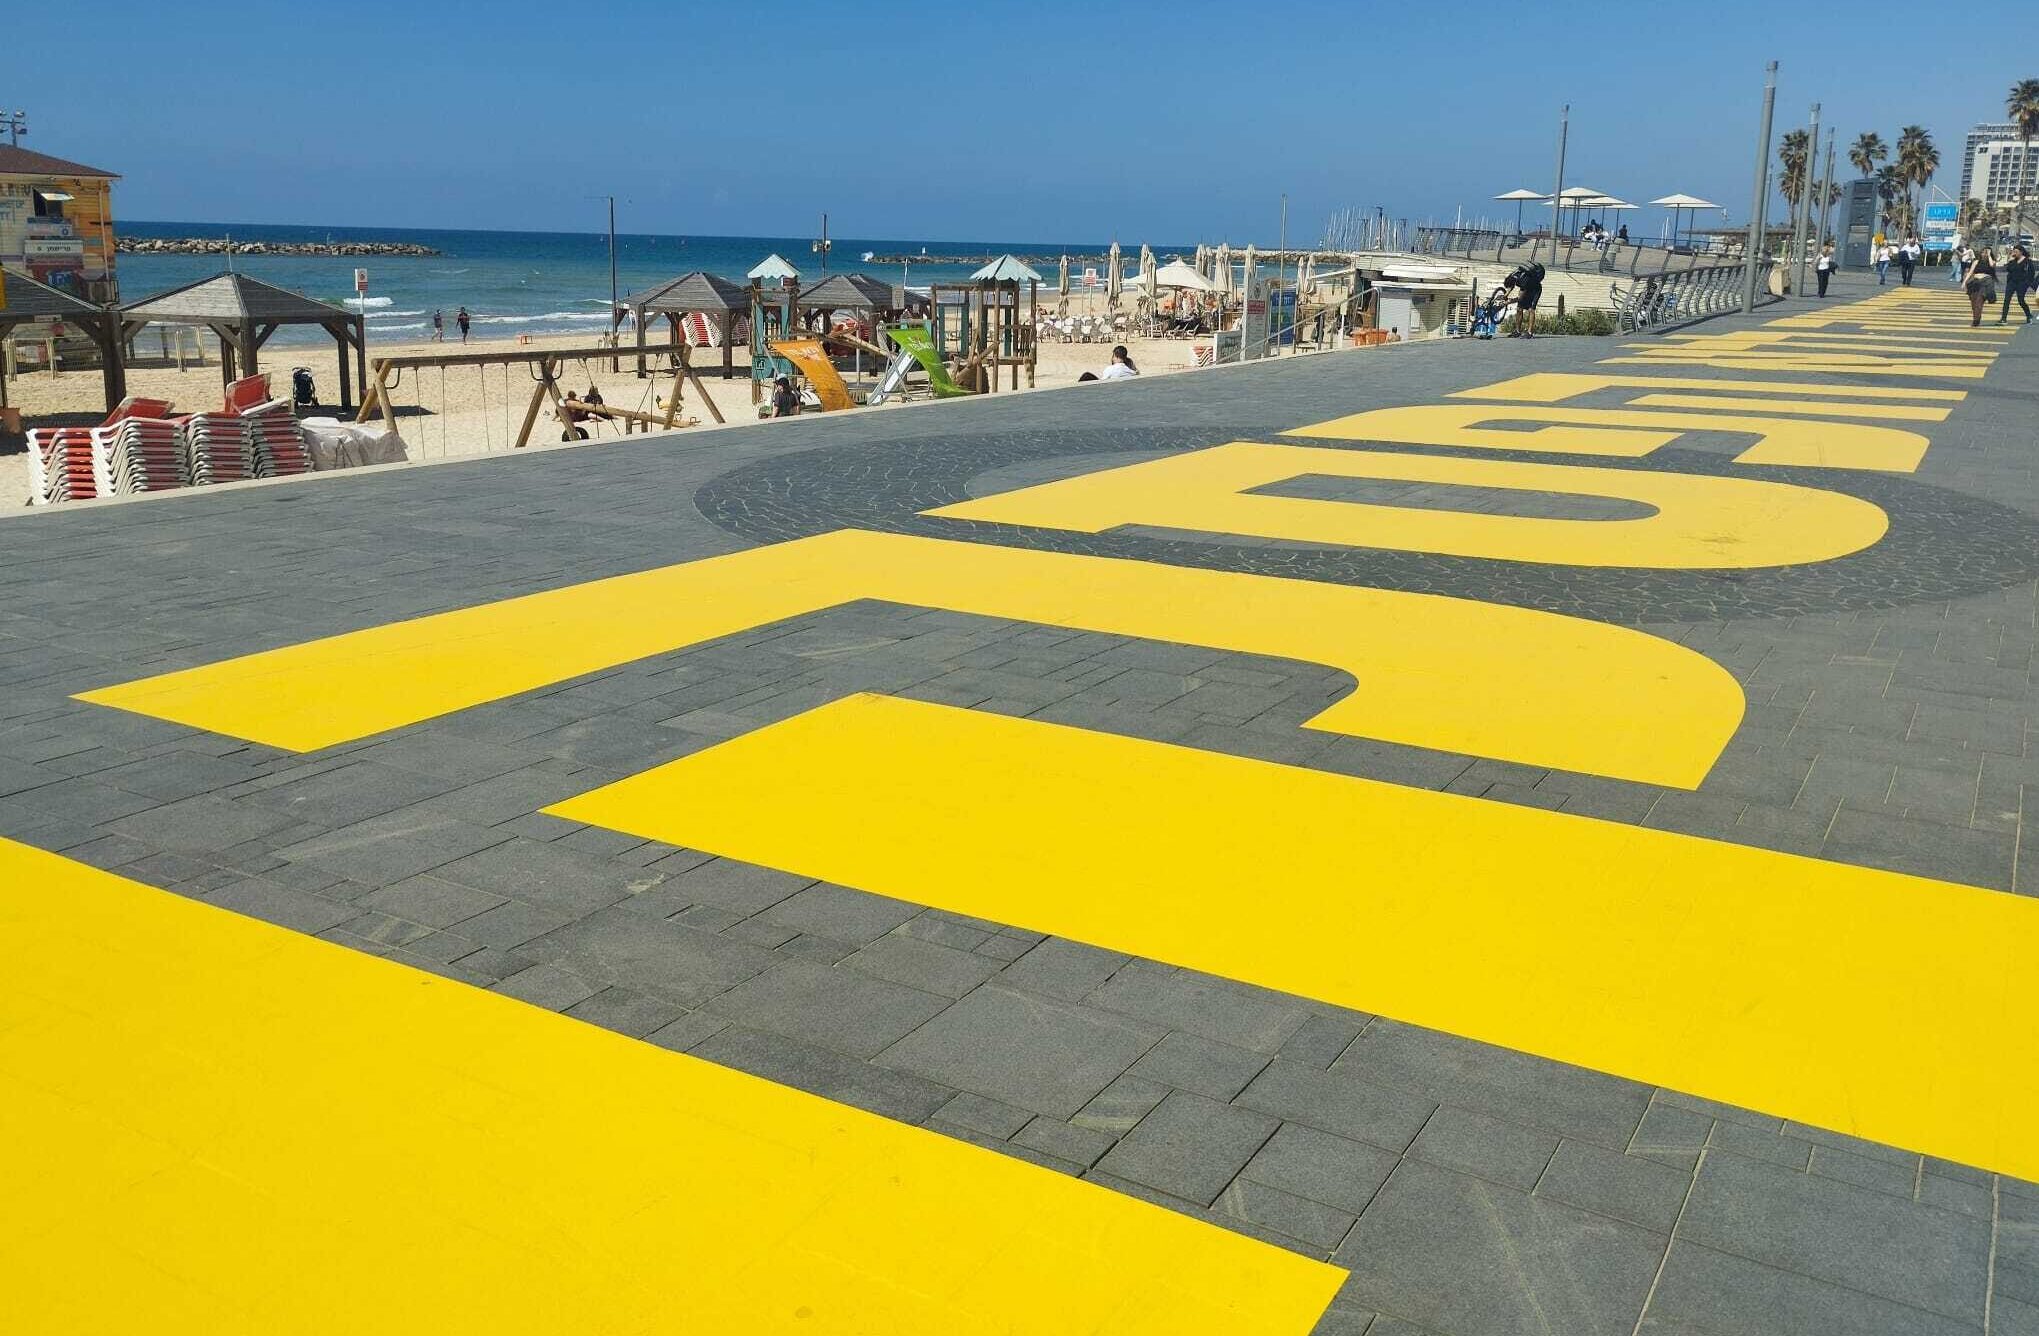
{"type": "Point", "coordinates": [1340, 1103]}
{"type": "Point", "coordinates": [1570, 1101]}
{"type": "Point", "coordinates": [171, 775]}
{"type": "Point", "coordinates": [390, 847]}
{"type": "Point", "coordinates": [1462, 1254]}
{"type": "Point", "coordinates": [983, 1115]}
{"type": "Point", "coordinates": [614, 946]}
{"type": "Point", "coordinates": [511, 924]}
{"type": "Point", "coordinates": [347, 794]}
{"type": "Point", "coordinates": [430, 901]}
{"type": "Point", "coordinates": [1081, 1146]}
{"type": "Point", "coordinates": [1323, 1036]}
{"type": "Point", "coordinates": [826, 910]}
{"type": "Point", "coordinates": [1305, 1162]}
{"type": "Point", "coordinates": [1741, 1139]}
{"type": "Point", "coordinates": [1705, 1292]}
{"type": "Point", "coordinates": [1627, 1187]}
{"type": "Point", "coordinates": [835, 1009]}
{"type": "Point", "coordinates": [627, 1012]}
{"type": "Point", "coordinates": [1200, 1066]}
{"type": "Point", "coordinates": [1230, 1013]}
{"type": "Point", "coordinates": [1029, 1051]}
{"type": "Point", "coordinates": [547, 986]}
{"type": "Point", "coordinates": [265, 900]}
{"type": "Point", "coordinates": [1845, 1235]}
{"type": "Point", "coordinates": [1120, 1106]}
{"type": "Point", "coordinates": [1189, 1147]}
{"type": "Point", "coordinates": [1472, 1143]}
{"type": "Point", "coordinates": [895, 1094]}
{"type": "Point", "coordinates": [1067, 971]}
{"type": "Point", "coordinates": [743, 887]}
{"type": "Point", "coordinates": [203, 822]}
{"type": "Point", "coordinates": [1313, 1225]}
{"type": "Point", "coordinates": [690, 1030]}
{"type": "Point", "coordinates": [1897, 1179]}
{"type": "Point", "coordinates": [549, 877]}
{"type": "Point", "coordinates": [921, 964]}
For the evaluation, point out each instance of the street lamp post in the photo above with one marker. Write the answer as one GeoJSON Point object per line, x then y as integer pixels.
{"type": "Point", "coordinates": [1803, 207]}
{"type": "Point", "coordinates": [1557, 192]}
{"type": "Point", "coordinates": [1761, 190]}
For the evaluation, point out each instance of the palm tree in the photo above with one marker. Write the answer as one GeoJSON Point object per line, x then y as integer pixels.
{"type": "Point", "coordinates": [1868, 150]}
{"type": "Point", "coordinates": [1897, 209]}
{"type": "Point", "coordinates": [2021, 104]}
{"type": "Point", "coordinates": [1917, 159]}
{"type": "Point", "coordinates": [1792, 155]}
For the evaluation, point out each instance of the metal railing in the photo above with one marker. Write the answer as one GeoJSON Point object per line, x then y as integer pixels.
{"type": "Point", "coordinates": [1664, 301]}
{"type": "Point", "coordinates": [1570, 254]}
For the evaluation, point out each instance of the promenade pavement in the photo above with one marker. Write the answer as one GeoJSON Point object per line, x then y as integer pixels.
{"type": "Point", "coordinates": [1495, 838]}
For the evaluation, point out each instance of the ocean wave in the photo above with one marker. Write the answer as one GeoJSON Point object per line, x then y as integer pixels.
{"type": "Point", "coordinates": [370, 303]}
{"type": "Point", "coordinates": [397, 329]}
{"type": "Point", "coordinates": [391, 315]}
{"type": "Point", "coordinates": [449, 271]}
{"type": "Point", "coordinates": [535, 319]}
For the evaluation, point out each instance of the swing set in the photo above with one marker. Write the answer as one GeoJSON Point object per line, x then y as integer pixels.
{"type": "Point", "coordinates": [545, 367]}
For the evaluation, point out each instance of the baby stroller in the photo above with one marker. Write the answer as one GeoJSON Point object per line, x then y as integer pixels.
{"type": "Point", "coordinates": [1487, 315]}
{"type": "Point", "coordinates": [303, 388]}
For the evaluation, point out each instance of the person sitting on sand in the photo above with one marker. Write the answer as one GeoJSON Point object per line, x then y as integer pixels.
{"type": "Point", "coordinates": [785, 399]}
{"type": "Point", "coordinates": [1121, 367]}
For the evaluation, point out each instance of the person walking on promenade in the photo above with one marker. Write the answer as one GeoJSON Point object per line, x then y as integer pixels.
{"type": "Point", "coordinates": [1824, 266]}
{"type": "Point", "coordinates": [1958, 261]}
{"type": "Point", "coordinates": [438, 325]}
{"type": "Point", "coordinates": [1907, 260]}
{"type": "Point", "coordinates": [1882, 262]}
{"type": "Point", "coordinates": [1524, 286]}
{"type": "Point", "coordinates": [1978, 278]}
{"type": "Point", "coordinates": [462, 319]}
{"type": "Point", "coordinates": [2017, 282]}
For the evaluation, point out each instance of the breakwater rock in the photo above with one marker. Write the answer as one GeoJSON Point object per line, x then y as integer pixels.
{"type": "Point", "coordinates": [221, 246]}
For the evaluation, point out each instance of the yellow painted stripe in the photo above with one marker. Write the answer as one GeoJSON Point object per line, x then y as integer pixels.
{"type": "Point", "coordinates": [1553, 690]}
{"type": "Point", "coordinates": [1699, 523]}
{"type": "Point", "coordinates": [1550, 387]}
{"type": "Point", "coordinates": [1809, 362]}
{"type": "Point", "coordinates": [211, 1125]}
{"type": "Point", "coordinates": [1797, 407]}
{"type": "Point", "coordinates": [1886, 1006]}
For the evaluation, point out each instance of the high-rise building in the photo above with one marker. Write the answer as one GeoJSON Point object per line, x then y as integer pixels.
{"type": "Point", "coordinates": [1986, 133]}
{"type": "Point", "coordinates": [2000, 172]}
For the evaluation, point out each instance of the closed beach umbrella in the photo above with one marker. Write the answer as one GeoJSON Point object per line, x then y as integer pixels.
{"type": "Point", "coordinates": [1306, 275]}
{"type": "Point", "coordinates": [1149, 291]}
{"type": "Point", "coordinates": [1221, 268]}
{"type": "Point", "coordinates": [1246, 271]}
{"type": "Point", "coordinates": [1062, 287]}
{"type": "Point", "coordinates": [1114, 281]}
{"type": "Point", "coordinates": [1202, 263]}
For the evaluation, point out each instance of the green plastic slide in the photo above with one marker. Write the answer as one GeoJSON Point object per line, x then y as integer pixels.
{"type": "Point", "coordinates": [918, 341]}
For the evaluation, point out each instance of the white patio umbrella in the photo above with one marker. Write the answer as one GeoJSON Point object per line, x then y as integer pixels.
{"type": "Point", "coordinates": [1574, 196]}
{"type": "Point", "coordinates": [1148, 291]}
{"type": "Point", "coordinates": [1521, 197]}
{"type": "Point", "coordinates": [1176, 274]}
{"type": "Point", "coordinates": [1246, 271]}
{"type": "Point", "coordinates": [1679, 204]}
{"type": "Point", "coordinates": [1221, 268]}
{"type": "Point", "coordinates": [1202, 263]}
{"type": "Point", "coordinates": [1114, 281]}
{"type": "Point", "coordinates": [1306, 276]}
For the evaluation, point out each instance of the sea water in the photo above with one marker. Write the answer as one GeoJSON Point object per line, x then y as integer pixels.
{"type": "Point", "coordinates": [526, 282]}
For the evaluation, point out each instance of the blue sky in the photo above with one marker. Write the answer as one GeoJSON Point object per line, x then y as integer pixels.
{"type": "Point", "coordinates": [1045, 121]}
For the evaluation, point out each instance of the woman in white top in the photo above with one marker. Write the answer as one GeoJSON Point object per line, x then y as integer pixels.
{"type": "Point", "coordinates": [1882, 263]}
{"type": "Point", "coordinates": [1121, 367]}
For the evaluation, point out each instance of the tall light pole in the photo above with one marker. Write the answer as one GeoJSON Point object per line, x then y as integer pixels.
{"type": "Point", "coordinates": [16, 125]}
{"type": "Point", "coordinates": [1803, 208]}
{"type": "Point", "coordinates": [1760, 193]}
{"type": "Point", "coordinates": [1557, 191]}
{"type": "Point", "coordinates": [1826, 186]}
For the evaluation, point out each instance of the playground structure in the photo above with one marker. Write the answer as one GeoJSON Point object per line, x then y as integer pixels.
{"type": "Point", "coordinates": [982, 323]}
{"type": "Point", "coordinates": [690, 301]}
{"type": "Point", "coordinates": [544, 368]}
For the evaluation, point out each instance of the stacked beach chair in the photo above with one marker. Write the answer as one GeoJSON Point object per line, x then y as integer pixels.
{"type": "Point", "coordinates": [276, 440]}
{"type": "Point", "coordinates": [67, 464]}
{"type": "Point", "coordinates": [144, 455]}
{"type": "Point", "coordinates": [219, 448]}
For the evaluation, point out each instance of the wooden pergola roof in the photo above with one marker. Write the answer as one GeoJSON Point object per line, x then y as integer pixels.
{"type": "Point", "coordinates": [244, 312]}
{"type": "Point", "coordinates": [698, 291]}
{"type": "Point", "coordinates": [29, 299]}
{"type": "Point", "coordinates": [840, 292]}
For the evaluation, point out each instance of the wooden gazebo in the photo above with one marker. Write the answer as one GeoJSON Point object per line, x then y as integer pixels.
{"type": "Point", "coordinates": [27, 300]}
{"type": "Point", "coordinates": [244, 312]}
{"type": "Point", "coordinates": [853, 292]}
{"type": "Point", "coordinates": [717, 298]}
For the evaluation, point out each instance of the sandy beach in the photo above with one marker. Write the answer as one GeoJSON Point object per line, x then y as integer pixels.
{"type": "Point", "coordinates": [461, 411]}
